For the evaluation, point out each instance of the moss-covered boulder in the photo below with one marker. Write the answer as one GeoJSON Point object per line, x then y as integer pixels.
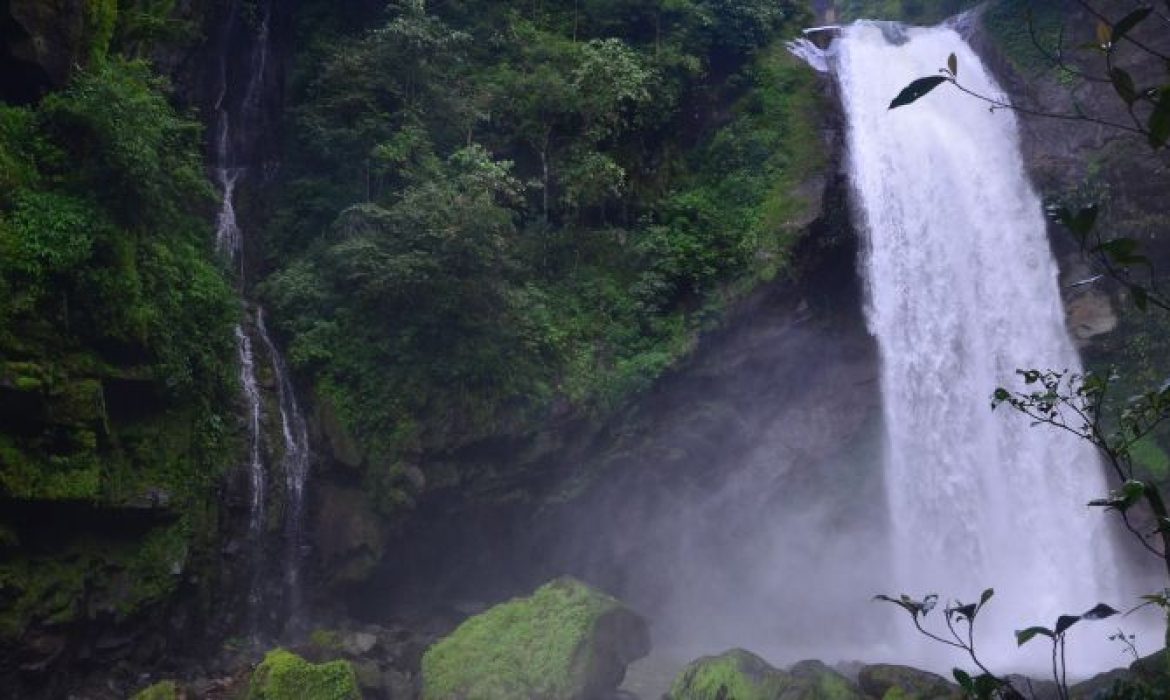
{"type": "Point", "coordinates": [164, 690]}
{"type": "Point", "coordinates": [566, 642]}
{"type": "Point", "coordinates": [285, 676]}
{"type": "Point", "coordinates": [742, 675]}
{"type": "Point", "coordinates": [890, 682]}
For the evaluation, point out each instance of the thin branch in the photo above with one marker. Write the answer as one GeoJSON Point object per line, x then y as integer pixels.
{"type": "Point", "coordinates": [1000, 104]}
{"type": "Point", "coordinates": [1128, 37]}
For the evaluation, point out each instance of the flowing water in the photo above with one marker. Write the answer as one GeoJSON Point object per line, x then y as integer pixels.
{"type": "Point", "coordinates": [295, 465]}
{"type": "Point", "coordinates": [962, 292]}
{"type": "Point", "coordinates": [239, 114]}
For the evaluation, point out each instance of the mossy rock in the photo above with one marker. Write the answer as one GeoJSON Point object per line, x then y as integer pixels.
{"type": "Point", "coordinates": [741, 675]}
{"type": "Point", "coordinates": [285, 676]}
{"type": "Point", "coordinates": [890, 682]}
{"type": "Point", "coordinates": [164, 690]}
{"type": "Point", "coordinates": [566, 642]}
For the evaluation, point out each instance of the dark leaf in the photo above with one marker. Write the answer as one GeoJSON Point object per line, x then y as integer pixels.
{"type": "Point", "coordinates": [986, 685]}
{"type": "Point", "coordinates": [1099, 612]}
{"type": "Point", "coordinates": [1141, 297]}
{"type": "Point", "coordinates": [916, 90]}
{"type": "Point", "coordinates": [1159, 123]}
{"type": "Point", "coordinates": [1081, 223]}
{"type": "Point", "coordinates": [1123, 84]}
{"type": "Point", "coordinates": [1122, 251]}
{"type": "Point", "coordinates": [986, 596]}
{"type": "Point", "coordinates": [1129, 22]}
{"type": "Point", "coordinates": [963, 611]}
{"type": "Point", "coordinates": [964, 679]}
{"type": "Point", "coordinates": [953, 65]}
{"type": "Point", "coordinates": [1064, 622]}
{"type": "Point", "coordinates": [928, 603]}
{"type": "Point", "coordinates": [1025, 636]}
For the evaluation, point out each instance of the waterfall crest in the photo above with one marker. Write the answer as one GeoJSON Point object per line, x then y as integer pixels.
{"type": "Point", "coordinates": [962, 292]}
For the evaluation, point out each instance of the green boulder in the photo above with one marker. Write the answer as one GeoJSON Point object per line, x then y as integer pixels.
{"type": "Point", "coordinates": [741, 675]}
{"type": "Point", "coordinates": [285, 676]}
{"type": "Point", "coordinates": [890, 682]}
{"type": "Point", "coordinates": [565, 642]}
{"type": "Point", "coordinates": [164, 690]}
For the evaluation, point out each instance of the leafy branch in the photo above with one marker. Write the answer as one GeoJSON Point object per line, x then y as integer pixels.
{"type": "Point", "coordinates": [959, 620]}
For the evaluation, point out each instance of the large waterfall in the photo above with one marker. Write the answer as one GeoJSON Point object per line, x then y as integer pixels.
{"type": "Point", "coordinates": [962, 292]}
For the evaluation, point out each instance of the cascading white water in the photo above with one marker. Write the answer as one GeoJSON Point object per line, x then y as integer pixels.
{"type": "Point", "coordinates": [962, 293]}
{"type": "Point", "coordinates": [257, 477]}
{"type": "Point", "coordinates": [295, 463]}
{"type": "Point", "coordinates": [237, 122]}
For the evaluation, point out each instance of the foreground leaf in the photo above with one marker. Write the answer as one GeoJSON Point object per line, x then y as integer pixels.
{"type": "Point", "coordinates": [917, 90]}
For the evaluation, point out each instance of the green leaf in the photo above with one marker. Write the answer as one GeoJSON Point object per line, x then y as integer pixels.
{"type": "Point", "coordinates": [953, 65]}
{"type": "Point", "coordinates": [1123, 84]}
{"type": "Point", "coordinates": [1026, 635]}
{"type": "Point", "coordinates": [916, 90]}
{"type": "Point", "coordinates": [986, 685]}
{"type": "Point", "coordinates": [1064, 622]}
{"type": "Point", "coordinates": [963, 679]}
{"type": "Point", "coordinates": [1129, 22]}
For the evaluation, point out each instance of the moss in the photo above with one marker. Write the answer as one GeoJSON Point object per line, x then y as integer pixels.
{"type": "Point", "coordinates": [536, 647]}
{"type": "Point", "coordinates": [1150, 458]}
{"type": "Point", "coordinates": [1007, 21]}
{"type": "Point", "coordinates": [325, 640]}
{"type": "Point", "coordinates": [742, 675]}
{"type": "Point", "coordinates": [163, 690]}
{"type": "Point", "coordinates": [285, 676]}
{"type": "Point", "coordinates": [735, 674]}
{"type": "Point", "coordinates": [101, 18]}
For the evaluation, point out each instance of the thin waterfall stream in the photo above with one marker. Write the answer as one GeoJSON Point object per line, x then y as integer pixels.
{"type": "Point", "coordinates": [238, 116]}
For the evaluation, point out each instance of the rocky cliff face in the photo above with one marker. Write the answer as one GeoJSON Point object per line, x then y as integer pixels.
{"type": "Point", "coordinates": [1076, 162]}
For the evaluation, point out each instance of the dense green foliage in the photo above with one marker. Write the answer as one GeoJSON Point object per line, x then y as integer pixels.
{"type": "Point", "coordinates": [105, 269]}
{"type": "Point", "coordinates": [495, 210]}
{"type": "Point", "coordinates": [285, 676]}
{"type": "Point", "coordinates": [115, 342]}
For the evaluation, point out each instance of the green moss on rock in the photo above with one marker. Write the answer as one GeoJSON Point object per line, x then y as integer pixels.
{"type": "Point", "coordinates": [566, 642]}
{"type": "Point", "coordinates": [163, 690]}
{"type": "Point", "coordinates": [735, 674]}
{"type": "Point", "coordinates": [285, 676]}
{"type": "Point", "coordinates": [742, 675]}
{"type": "Point", "coordinates": [891, 682]}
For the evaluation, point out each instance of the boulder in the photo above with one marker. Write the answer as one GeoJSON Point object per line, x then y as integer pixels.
{"type": "Point", "coordinates": [285, 676]}
{"type": "Point", "coordinates": [890, 682]}
{"type": "Point", "coordinates": [742, 675]}
{"type": "Point", "coordinates": [565, 642]}
{"type": "Point", "coordinates": [163, 690]}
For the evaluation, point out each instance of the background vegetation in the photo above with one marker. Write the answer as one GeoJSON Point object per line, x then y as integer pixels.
{"type": "Point", "coordinates": [494, 212]}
